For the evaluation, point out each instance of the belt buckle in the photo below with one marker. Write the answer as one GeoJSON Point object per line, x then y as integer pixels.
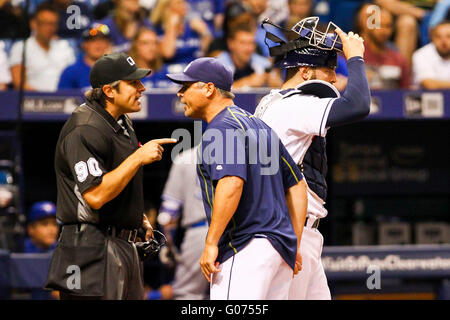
{"type": "Point", "coordinates": [132, 235]}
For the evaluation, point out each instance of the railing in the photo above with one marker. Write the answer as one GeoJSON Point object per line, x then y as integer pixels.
{"type": "Point", "coordinates": [163, 105]}
{"type": "Point", "coordinates": [343, 265]}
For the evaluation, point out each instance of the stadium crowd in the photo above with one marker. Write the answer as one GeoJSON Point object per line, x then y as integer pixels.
{"type": "Point", "coordinates": [407, 41]}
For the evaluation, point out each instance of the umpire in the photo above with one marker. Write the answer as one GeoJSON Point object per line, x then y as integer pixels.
{"type": "Point", "coordinates": [99, 178]}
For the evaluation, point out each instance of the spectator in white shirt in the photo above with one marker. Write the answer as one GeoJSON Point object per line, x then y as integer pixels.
{"type": "Point", "coordinates": [46, 56]}
{"type": "Point", "coordinates": [431, 63]}
{"type": "Point", "coordinates": [5, 76]}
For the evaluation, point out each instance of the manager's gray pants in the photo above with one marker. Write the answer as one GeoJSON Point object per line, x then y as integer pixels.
{"type": "Point", "coordinates": [189, 282]}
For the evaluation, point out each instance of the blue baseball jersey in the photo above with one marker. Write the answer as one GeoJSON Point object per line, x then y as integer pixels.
{"type": "Point", "coordinates": [119, 41]}
{"type": "Point", "coordinates": [31, 247]}
{"type": "Point", "coordinates": [206, 9]}
{"type": "Point", "coordinates": [188, 45]}
{"type": "Point", "coordinates": [75, 76]}
{"type": "Point", "coordinates": [235, 143]}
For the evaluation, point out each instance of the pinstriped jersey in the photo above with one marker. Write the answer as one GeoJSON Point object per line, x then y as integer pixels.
{"type": "Point", "coordinates": [236, 143]}
{"type": "Point", "coordinates": [299, 117]}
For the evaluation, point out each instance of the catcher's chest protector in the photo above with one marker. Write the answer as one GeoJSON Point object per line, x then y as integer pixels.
{"type": "Point", "coordinates": [314, 167]}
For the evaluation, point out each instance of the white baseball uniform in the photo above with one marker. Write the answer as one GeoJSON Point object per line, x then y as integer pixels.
{"type": "Point", "coordinates": [297, 118]}
{"type": "Point", "coordinates": [269, 279]}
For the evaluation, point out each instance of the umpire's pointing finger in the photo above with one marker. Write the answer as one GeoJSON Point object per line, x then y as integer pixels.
{"type": "Point", "coordinates": [165, 141]}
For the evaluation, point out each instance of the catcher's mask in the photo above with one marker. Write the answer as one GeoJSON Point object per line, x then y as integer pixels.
{"type": "Point", "coordinates": [303, 44]}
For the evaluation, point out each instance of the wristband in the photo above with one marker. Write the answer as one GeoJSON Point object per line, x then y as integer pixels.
{"type": "Point", "coordinates": [154, 295]}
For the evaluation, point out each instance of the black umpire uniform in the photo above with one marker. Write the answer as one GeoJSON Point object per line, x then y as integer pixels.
{"type": "Point", "coordinates": [96, 256]}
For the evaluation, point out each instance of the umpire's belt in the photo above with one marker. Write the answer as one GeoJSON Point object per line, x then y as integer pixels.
{"type": "Point", "coordinates": [312, 222]}
{"type": "Point", "coordinates": [125, 234]}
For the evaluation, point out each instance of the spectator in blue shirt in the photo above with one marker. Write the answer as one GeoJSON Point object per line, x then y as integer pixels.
{"type": "Point", "coordinates": [43, 233]}
{"type": "Point", "coordinates": [146, 54]}
{"type": "Point", "coordinates": [255, 204]}
{"type": "Point", "coordinates": [96, 43]}
{"type": "Point", "coordinates": [182, 39]}
{"type": "Point", "coordinates": [42, 228]}
{"type": "Point", "coordinates": [210, 11]}
{"type": "Point", "coordinates": [124, 23]}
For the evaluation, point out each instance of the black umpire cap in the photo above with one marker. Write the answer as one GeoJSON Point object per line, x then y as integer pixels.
{"type": "Point", "coordinates": [113, 67]}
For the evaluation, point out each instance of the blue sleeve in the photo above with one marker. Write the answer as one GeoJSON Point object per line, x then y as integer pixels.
{"type": "Point", "coordinates": [342, 66]}
{"type": "Point", "coordinates": [223, 156]}
{"type": "Point", "coordinates": [65, 82]}
{"type": "Point", "coordinates": [290, 171]}
{"type": "Point", "coordinates": [219, 6]}
{"type": "Point", "coordinates": [354, 104]}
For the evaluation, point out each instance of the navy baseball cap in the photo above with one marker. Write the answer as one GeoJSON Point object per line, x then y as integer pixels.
{"type": "Point", "coordinates": [113, 67]}
{"type": "Point", "coordinates": [41, 210]}
{"type": "Point", "coordinates": [205, 70]}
